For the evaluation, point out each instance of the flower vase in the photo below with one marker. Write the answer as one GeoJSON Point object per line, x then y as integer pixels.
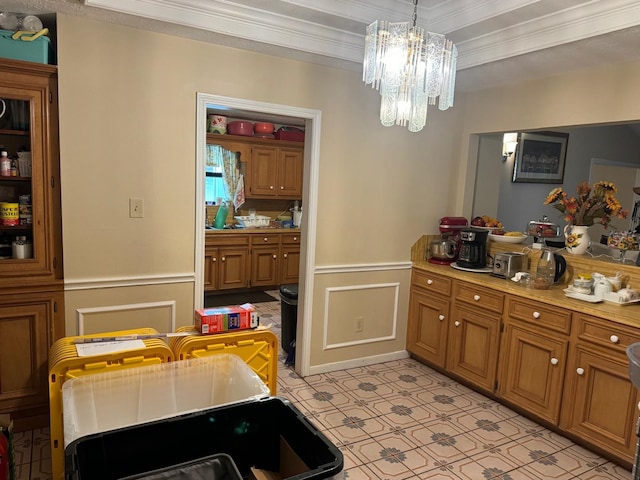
{"type": "Point", "coordinates": [576, 238]}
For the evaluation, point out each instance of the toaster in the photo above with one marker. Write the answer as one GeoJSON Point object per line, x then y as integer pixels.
{"type": "Point", "coordinates": [506, 265]}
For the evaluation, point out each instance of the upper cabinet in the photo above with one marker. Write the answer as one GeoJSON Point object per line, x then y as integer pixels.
{"type": "Point", "coordinates": [30, 195]}
{"type": "Point", "coordinates": [273, 168]}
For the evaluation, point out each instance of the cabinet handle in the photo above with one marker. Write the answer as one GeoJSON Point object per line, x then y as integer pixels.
{"type": "Point", "coordinates": [476, 297]}
{"type": "Point", "coordinates": [213, 259]}
{"type": "Point", "coordinates": [223, 259]}
{"type": "Point", "coordinates": [281, 187]}
{"type": "Point", "coordinates": [274, 256]}
{"type": "Point", "coordinates": [456, 323]}
{"type": "Point", "coordinates": [536, 314]}
{"type": "Point", "coordinates": [285, 255]}
{"type": "Point", "coordinates": [614, 339]}
{"type": "Point", "coordinates": [429, 282]}
{"type": "Point", "coordinates": [441, 317]}
{"type": "Point", "coordinates": [554, 361]}
{"type": "Point", "coordinates": [266, 239]}
{"type": "Point", "coordinates": [295, 239]}
{"type": "Point", "coordinates": [580, 371]}
{"type": "Point", "coordinates": [270, 187]}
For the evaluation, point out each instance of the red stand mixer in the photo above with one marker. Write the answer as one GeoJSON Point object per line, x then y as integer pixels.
{"type": "Point", "coordinates": [445, 251]}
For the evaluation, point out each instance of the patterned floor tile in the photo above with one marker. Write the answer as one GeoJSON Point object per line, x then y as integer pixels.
{"type": "Point", "coordinates": [22, 445]}
{"type": "Point", "coordinates": [607, 471]}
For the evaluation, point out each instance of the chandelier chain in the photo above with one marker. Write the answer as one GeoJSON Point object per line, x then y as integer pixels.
{"type": "Point", "coordinates": [414, 18]}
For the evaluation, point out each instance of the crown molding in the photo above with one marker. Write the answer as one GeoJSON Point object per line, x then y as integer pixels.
{"type": "Point", "coordinates": [581, 20]}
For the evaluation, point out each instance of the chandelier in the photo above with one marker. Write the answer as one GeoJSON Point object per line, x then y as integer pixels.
{"type": "Point", "coordinates": [410, 68]}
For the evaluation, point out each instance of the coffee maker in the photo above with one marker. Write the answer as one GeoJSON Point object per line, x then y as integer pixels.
{"type": "Point", "coordinates": [445, 251]}
{"type": "Point", "coordinates": [473, 249]}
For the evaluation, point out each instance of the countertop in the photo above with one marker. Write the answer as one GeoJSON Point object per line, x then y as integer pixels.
{"type": "Point", "coordinates": [228, 231]}
{"type": "Point", "coordinates": [623, 314]}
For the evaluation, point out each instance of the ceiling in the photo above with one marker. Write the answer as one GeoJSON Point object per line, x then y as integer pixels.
{"type": "Point", "coordinates": [499, 41]}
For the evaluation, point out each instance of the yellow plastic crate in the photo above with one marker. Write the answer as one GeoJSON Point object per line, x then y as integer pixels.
{"type": "Point", "coordinates": [258, 349]}
{"type": "Point", "coordinates": [65, 364]}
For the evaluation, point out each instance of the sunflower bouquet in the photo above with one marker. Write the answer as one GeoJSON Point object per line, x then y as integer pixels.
{"type": "Point", "coordinates": [590, 204]}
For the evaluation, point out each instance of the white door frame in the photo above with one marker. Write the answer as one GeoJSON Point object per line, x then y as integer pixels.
{"type": "Point", "coordinates": [312, 120]}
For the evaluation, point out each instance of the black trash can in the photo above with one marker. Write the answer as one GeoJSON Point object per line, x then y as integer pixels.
{"type": "Point", "coordinates": [288, 315]}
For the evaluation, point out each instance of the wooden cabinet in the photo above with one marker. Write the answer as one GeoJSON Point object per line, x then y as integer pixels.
{"type": "Point", "coordinates": [429, 317]}
{"type": "Point", "coordinates": [274, 168]}
{"type": "Point", "coordinates": [31, 288]}
{"type": "Point", "coordinates": [275, 259]}
{"type": "Point", "coordinates": [289, 258]}
{"type": "Point", "coordinates": [226, 260]}
{"type": "Point", "coordinates": [601, 401]}
{"type": "Point", "coordinates": [533, 357]}
{"type": "Point", "coordinates": [474, 334]}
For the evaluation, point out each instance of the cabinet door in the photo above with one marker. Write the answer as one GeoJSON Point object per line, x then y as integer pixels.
{"type": "Point", "coordinates": [210, 268]}
{"type": "Point", "coordinates": [233, 267]}
{"type": "Point", "coordinates": [290, 164]}
{"type": "Point", "coordinates": [289, 264]}
{"type": "Point", "coordinates": [473, 346]}
{"type": "Point", "coordinates": [29, 324]}
{"type": "Point", "coordinates": [532, 370]}
{"type": "Point", "coordinates": [600, 401]}
{"type": "Point", "coordinates": [263, 171]}
{"type": "Point", "coordinates": [30, 94]}
{"type": "Point", "coordinates": [427, 327]}
{"type": "Point", "coordinates": [264, 266]}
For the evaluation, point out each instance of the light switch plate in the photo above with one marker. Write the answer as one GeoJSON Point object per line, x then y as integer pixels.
{"type": "Point", "coordinates": [136, 208]}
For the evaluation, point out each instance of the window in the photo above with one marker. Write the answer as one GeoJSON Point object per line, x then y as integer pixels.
{"type": "Point", "coordinates": [214, 184]}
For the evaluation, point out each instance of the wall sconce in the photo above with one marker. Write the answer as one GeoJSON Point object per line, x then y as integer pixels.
{"type": "Point", "coordinates": [509, 144]}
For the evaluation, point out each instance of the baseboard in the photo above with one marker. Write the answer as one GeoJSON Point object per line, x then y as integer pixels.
{"type": "Point", "coordinates": [358, 362]}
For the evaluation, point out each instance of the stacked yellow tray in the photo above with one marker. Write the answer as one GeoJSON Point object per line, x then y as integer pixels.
{"type": "Point", "coordinates": [258, 349]}
{"type": "Point", "coordinates": [65, 364]}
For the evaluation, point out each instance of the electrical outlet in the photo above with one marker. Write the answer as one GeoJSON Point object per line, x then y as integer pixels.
{"type": "Point", "coordinates": [136, 208]}
{"type": "Point", "coordinates": [359, 324]}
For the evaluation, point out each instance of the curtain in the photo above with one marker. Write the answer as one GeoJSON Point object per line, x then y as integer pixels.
{"type": "Point", "coordinates": [233, 180]}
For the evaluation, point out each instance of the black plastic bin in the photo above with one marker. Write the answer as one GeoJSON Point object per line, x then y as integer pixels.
{"type": "Point", "coordinates": [213, 467]}
{"type": "Point", "coordinates": [267, 434]}
{"type": "Point", "coordinates": [288, 315]}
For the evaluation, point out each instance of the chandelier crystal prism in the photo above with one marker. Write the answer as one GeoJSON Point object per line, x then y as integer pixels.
{"type": "Point", "coordinates": [411, 69]}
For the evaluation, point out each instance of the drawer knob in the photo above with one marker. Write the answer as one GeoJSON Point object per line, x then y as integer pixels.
{"type": "Point", "coordinates": [213, 259]}
{"type": "Point", "coordinates": [285, 255]}
{"type": "Point", "coordinates": [614, 339]}
{"type": "Point", "coordinates": [274, 256]}
{"type": "Point", "coordinates": [266, 239]}
{"type": "Point", "coordinates": [456, 323]}
{"type": "Point", "coordinates": [270, 187]}
{"type": "Point", "coordinates": [281, 187]}
{"type": "Point", "coordinates": [295, 239]}
{"type": "Point", "coordinates": [429, 282]}
{"type": "Point", "coordinates": [580, 371]}
{"type": "Point", "coordinates": [476, 297]}
{"type": "Point", "coordinates": [440, 317]}
{"type": "Point", "coordinates": [223, 259]}
{"type": "Point", "coordinates": [554, 361]}
{"type": "Point", "coordinates": [536, 314]}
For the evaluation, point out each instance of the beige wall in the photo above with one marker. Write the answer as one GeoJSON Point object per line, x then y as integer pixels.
{"type": "Point", "coordinates": [127, 128]}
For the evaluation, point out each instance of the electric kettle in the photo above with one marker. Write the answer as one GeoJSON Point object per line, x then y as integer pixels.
{"type": "Point", "coordinates": [551, 267]}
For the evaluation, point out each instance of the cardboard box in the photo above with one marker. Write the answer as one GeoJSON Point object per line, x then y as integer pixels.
{"type": "Point", "coordinates": [290, 464]}
{"type": "Point", "coordinates": [7, 460]}
{"type": "Point", "coordinates": [226, 319]}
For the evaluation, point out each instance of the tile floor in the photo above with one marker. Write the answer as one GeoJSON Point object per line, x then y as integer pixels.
{"type": "Point", "coordinates": [402, 420]}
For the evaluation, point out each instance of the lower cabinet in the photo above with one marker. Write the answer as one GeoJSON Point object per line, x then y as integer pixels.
{"type": "Point", "coordinates": [226, 262]}
{"type": "Point", "coordinates": [289, 258]}
{"type": "Point", "coordinates": [533, 357]}
{"type": "Point", "coordinates": [603, 402]}
{"type": "Point", "coordinates": [563, 367]}
{"type": "Point", "coordinates": [29, 324]}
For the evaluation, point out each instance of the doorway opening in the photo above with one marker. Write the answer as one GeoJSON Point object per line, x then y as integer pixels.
{"type": "Point", "coordinates": [243, 108]}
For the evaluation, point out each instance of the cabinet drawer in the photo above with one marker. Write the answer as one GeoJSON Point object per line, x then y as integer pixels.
{"type": "Point", "coordinates": [538, 314]}
{"type": "Point", "coordinates": [290, 238]}
{"type": "Point", "coordinates": [431, 282]}
{"type": "Point", "coordinates": [479, 296]}
{"type": "Point", "coordinates": [265, 239]}
{"type": "Point", "coordinates": [604, 332]}
{"type": "Point", "coordinates": [225, 239]}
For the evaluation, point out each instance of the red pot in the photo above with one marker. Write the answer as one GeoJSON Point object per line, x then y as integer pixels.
{"type": "Point", "coordinates": [240, 128]}
{"type": "Point", "coordinates": [263, 127]}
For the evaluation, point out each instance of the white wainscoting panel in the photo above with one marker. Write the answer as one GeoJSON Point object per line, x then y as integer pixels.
{"type": "Point", "coordinates": [158, 315]}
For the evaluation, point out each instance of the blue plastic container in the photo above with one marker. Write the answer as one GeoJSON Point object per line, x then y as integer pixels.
{"type": "Point", "coordinates": [37, 50]}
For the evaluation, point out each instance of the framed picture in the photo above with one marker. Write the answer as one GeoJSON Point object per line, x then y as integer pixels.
{"type": "Point", "coordinates": [540, 157]}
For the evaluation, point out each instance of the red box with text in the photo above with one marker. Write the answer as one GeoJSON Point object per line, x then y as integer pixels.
{"type": "Point", "coordinates": [226, 319]}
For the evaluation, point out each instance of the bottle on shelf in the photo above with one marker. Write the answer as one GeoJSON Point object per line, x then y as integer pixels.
{"type": "Point", "coordinates": [14, 168]}
{"type": "Point", "coordinates": [21, 248]}
{"type": "Point", "coordinates": [221, 216]}
{"type": "Point", "coordinates": [5, 164]}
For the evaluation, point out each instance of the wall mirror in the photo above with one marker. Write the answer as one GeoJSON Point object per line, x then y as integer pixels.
{"type": "Point", "coordinates": [594, 152]}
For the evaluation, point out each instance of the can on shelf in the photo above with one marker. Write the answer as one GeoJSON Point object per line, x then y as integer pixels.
{"type": "Point", "coordinates": [9, 214]}
{"type": "Point", "coordinates": [24, 210]}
